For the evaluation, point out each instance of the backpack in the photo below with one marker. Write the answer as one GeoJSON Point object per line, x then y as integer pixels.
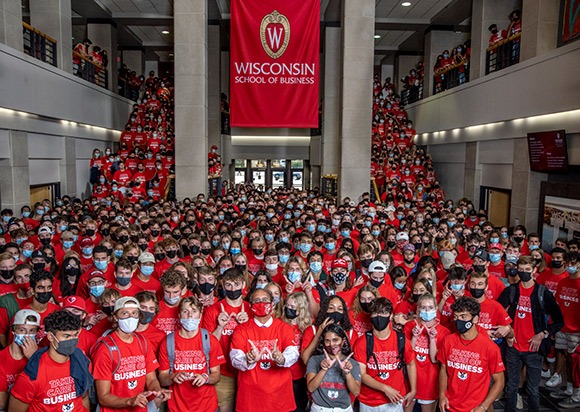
{"type": "Point", "coordinates": [323, 290]}
{"type": "Point", "coordinates": [541, 290]}
{"type": "Point", "coordinates": [370, 347]}
{"type": "Point", "coordinates": [170, 340]}
{"type": "Point", "coordinates": [108, 340]}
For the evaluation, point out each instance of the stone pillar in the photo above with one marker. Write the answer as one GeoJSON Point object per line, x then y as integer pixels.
{"type": "Point", "coordinates": [227, 161]}
{"type": "Point", "coordinates": [14, 173]}
{"type": "Point", "coordinates": [11, 24]}
{"type": "Point", "coordinates": [435, 42]}
{"type": "Point", "coordinates": [151, 65]}
{"type": "Point", "coordinates": [526, 188]}
{"type": "Point", "coordinates": [105, 36]}
{"type": "Point", "coordinates": [191, 97]}
{"type": "Point", "coordinates": [68, 168]}
{"type": "Point", "coordinates": [135, 60]}
{"type": "Point", "coordinates": [485, 13]}
{"type": "Point", "coordinates": [358, 20]}
{"type": "Point", "coordinates": [539, 27]}
{"type": "Point", "coordinates": [225, 73]}
{"type": "Point", "coordinates": [472, 181]}
{"type": "Point", "coordinates": [53, 17]}
{"type": "Point", "coordinates": [330, 146]}
{"type": "Point", "coordinates": [403, 64]}
{"type": "Point", "coordinates": [213, 87]}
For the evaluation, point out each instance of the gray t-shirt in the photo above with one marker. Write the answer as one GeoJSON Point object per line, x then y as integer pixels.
{"type": "Point", "coordinates": [332, 392]}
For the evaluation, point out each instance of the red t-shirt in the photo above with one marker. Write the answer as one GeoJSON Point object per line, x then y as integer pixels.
{"type": "Point", "coordinates": [427, 371]}
{"type": "Point", "coordinates": [189, 357]}
{"type": "Point", "coordinates": [167, 319]}
{"type": "Point", "coordinates": [266, 386]}
{"type": "Point", "coordinates": [360, 322]}
{"type": "Point", "coordinates": [209, 322]}
{"type": "Point", "coordinates": [130, 378]}
{"type": "Point", "coordinates": [492, 314]}
{"type": "Point", "coordinates": [469, 368]}
{"type": "Point", "coordinates": [549, 280]}
{"type": "Point", "coordinates": [154, 335]}
{"type": "Point", "coordinates": [568, 298]}
{"type": "Point", "coordinates": [52, 391]}
{"type": "Point", "coordinates": [298, 369]}
{"type": "Point", "coordinates": [152, 285]}
{"type": "Point", "coordinates": [523, 324]}
{"type": "Point", "coordinates": [9, 369]}
{"type": "Point", "coordinates": [386, 353]}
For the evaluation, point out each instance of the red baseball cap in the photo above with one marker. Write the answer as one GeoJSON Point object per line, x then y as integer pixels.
{"type": "Point", "coordinates": [497, 246]}
{"type": "Point", "coordinates": [87, 241]}
{"type": "Point", "coordinates": [96, 274]}
{"type": "Point", "coordinates": [339, 263]}
{"type": "Point", "coordinates": [74, 302]}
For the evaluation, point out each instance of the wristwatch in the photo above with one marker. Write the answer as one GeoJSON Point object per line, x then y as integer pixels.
{"type": "Point", "coordinates": [546, 334]}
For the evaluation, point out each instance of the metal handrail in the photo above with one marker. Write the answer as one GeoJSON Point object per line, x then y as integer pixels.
{"type": "Point", "coordinates": [91, 71]}
{"type": "Point", "coordinates": [39, 45]}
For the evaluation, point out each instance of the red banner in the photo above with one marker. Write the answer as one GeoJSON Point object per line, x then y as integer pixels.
{"type": "Point", "coordinates": [274, 63]}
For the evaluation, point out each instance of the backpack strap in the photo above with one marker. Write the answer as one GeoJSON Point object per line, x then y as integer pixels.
{"type": "Point", "coordinates": [541, 290]}
{"type": "Point", "coordinates": [205, 343]}
{"type": "Point", "coordinates": [401, 352]}
{"type": "Point", "coordinates": [370, 347]}
{"type": "Point", "coordinates": [114, 351]}
{"type": "Point", "coordinates": [170, 341]}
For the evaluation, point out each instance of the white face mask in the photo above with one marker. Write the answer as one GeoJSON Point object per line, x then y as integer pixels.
{"type": "Point", "coordinates": [128, 325]}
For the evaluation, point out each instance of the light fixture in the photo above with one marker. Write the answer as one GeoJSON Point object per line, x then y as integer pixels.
{"type": "Point", "coordinates": [406, 3]}
{"type": "Point", "coordinates": [170, 54]}
{"type": "Point", "coordinates": [377, 36]}
{"type": "Point", "coordinates": [165, 32]}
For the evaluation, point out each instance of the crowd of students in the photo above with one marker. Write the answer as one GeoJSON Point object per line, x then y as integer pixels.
{"type": "Point", "coordinates": [280, 299]}
{"type": "Point", "coordinates": [413, 83]}
{"type": "Point", "coordinates": [140, 168]}
{"type": "Point", "coordinates": [85, 54]}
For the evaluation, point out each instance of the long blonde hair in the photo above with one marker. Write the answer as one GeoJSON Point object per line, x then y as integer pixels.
{"type": "Point", "coordinates": [304, 318]}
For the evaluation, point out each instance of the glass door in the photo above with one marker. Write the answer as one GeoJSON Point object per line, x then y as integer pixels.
{"type": "Point", "coordinates": [278, 173]}
{"type": "Point", "coordinates": [297, 169]}
{"type": "Point", "coordinates": [258, 172]}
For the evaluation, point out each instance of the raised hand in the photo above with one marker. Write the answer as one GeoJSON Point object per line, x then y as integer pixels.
{"type": "Point", "coordinates": [253, 355]}
{"type": "Point", "coordinates": [345, 365]}
{"type": "Point", "coordinates": [417, 330]}
{"type": "Point", "coordinates": [242, 316]}
{"type": "Point", "coordinates": [327, 363]}
{"type": "Point", "coordinates": [432, 332]}
{"type": "Point", "coordinates": [277, 356]}
{"type": "Point", "coordinates": [224, 317]}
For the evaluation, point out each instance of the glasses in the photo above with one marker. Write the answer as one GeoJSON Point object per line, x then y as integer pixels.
{"type": "Point", "coordinates": [264, 300]}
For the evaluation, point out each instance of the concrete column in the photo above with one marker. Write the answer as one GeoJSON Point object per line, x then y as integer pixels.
{"type": "Point", "coordinates": [358, 19]}
{"type": "Point", "coordinates": [225, 73]}
{"type": "Point", "coordinates": [105, 36]}
{"type": "Point", "coordinates": [539, 27]}
{"type": "Point", "coordinates": [11, 24]}
{"type": "Point", "coordinates": [228, 170]}
{"type": "Point", "coordinates": [526, 188]}
{"type": "Point", "coordinates": [388, 70]}
{"type": "Point", "coordinates": [485, 13]}
{"type": "Point", "coordinates": [403, 64]}
{"type": "Point", "coordinates": [191, 97]}
{"type": "Point", "coordinates": [135, 60]}
{"type": "Point", "coordinates": [435, 42]}
{"type": "Point", "coordinates": [330, 146]}
{"type": "Point", "coordinates": [151, 65]}
{"type": "Point", "coordinates": [14, 173]}
{"type": "Point", "coordinates": [472, 181]}
{"type": "Point", "coordinates": [213, 88]}
{"type": "Point", "coordinates": [53, 17]}
{"type": "Point", "coordinates": [68, 169]}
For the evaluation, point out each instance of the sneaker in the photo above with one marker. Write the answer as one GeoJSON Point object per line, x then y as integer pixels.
{"type": "Point", "coordinates": [520, 402]}
{"type": "Point", "coordinates": [561, 394]}
{"type": "Point", "coordinates": [569, 403]}
{"type": "Point", "coordinates": [554, 381]}
{"type": "Point", "coordinates": [546, 374]}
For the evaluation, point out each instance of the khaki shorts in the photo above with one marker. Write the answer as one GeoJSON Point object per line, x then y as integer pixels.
{"type": "Point", "coordinates": [226, 390]}
{"type": "Point", "coordinates": [567, 341]}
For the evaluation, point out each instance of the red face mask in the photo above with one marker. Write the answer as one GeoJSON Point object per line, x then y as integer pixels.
{"type": "Point", "coordinates": [262, 309]}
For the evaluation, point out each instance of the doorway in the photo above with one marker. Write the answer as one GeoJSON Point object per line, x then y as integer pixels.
{"type": "Point", "coordinates": [266, 173]}
{"type": "Point", "coordinates": [497, 202]}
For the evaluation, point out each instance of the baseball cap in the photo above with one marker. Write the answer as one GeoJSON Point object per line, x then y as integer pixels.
{"type": "Point", "coordinates": [146, 257]}
{"type": "Point", "coordinates": [126, 302]}
{"type": "Point", "coordinates": [410, 247]}
{"type": "Point", "coordinates": [44, 229]}
{"type": "Point", "coordinates": [96, 274]}
{"type": "Point", "coordinates": [497, 246]}
{"type": "Point", "coordinates": [339, 263]}
{"type": "Point", "coordinates": [74, 302]}
{"type": "Point", "coordinates": [21, 315]}
{"type": "Point", "coordinates": [482, 254]}
{"type": "Point", "coordinates": [87, 241]}
{"type": "Point", "coordinates": [512, 261]}
{"type": "Point", "coordinates": [402, 236]}
{"type": "Point", "coordinates": [377, 266]}
{"type": "Point", "coordinates": [38, 254]}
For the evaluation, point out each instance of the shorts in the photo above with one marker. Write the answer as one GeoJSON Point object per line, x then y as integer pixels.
{"type": "Point", "coordinates": [387, 407]}
{"type": "Point", "coordinates": [316, 408]}
{"type": "Point", "coordinates": [567, 341]}
{"type": "Point", "coordinates": [226, 390]}
{"type": "Point", "coordinates": [425, 401]}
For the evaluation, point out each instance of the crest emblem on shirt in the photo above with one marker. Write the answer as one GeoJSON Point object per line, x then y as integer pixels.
{"type": "Point", "coordinates": [68, 407]}
{"type": "Point", "coordinates": [521, 315]}
{"type": "Point", "coordinates": [462, 375]}
{"type": "Point", "coordinates": [132, 384]}
{"type": "Point", "coordinates": [384, 375]}
{"type": "Point", "coordinates": [333, 394]}
{"type": "Point", "coordinates": [265, 365]}
{"type": "Point", "coordinates": [421, 358]}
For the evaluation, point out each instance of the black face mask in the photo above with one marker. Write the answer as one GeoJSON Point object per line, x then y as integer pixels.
{"type": "Point", "coordinates": [205, 252]}
{"type": "Point", "coordinates": [290, 313]}
{"type": "Point", "coordinates": [146, 317]}
{"type": "Point", "coordinates": [171, 253]}
{"type": "Point", "coordinates": [479, 268]}
{"type": "Point", "coordinates": [525, 276]}
{"type": "Point", "coordinates": [557, 264]}
{"type": "Point", "coordinates": [43, 297]}
{"type": "Point", "coordinates": [463, 325]}
{"type": "Point", "coordinates": [155, 233]}
{"type": "Point", "coordinates": [38, 267]}
{"type": "Point", "coordinates": [376, 283]}
{"type": "Point", "coordinates": [132, 259]}
{"type": "Point", "coordinates": [418, 245]}
{"type": "Point", "coordinates": [123, 239]}
{"type": "Point", "coordinates": [365, 263]}
{"type": "Point", "coordinates": [45, 241]}
{"type": "Point", "coordinates": [206, 288]}
{"type": "Point", "coordinates": [240, 267]}
{"type": "Point", "coordinates": [105, 232]}
{"type": "Point", "coordinates": [319, 243]}
{"type": "Point", "coordinates": [159, 256]}
{"type": "Point", "coordinates": [518, 239]}
{"type": "Point", "coordinates": [477, 293]}
{"type": "Point", "coordinates": [257, 251]}
{"type": "Point", "coordinates": [365, 306]}
{"type": "Point", "coordinates": [233, 294]}
{"type": "Point", "coordinates": [513, 271]}
{"type": "Point", "coordinates": [108, 310]}
{"type": "Point", "coordinates": [380, 323]}
{"type": "Point", "coordinates": [143, 247]}
{"type": "Point", "coordinates": [416, 297]}
{"type": "Point", "coordinates": [90, 232]}
{"type": "Point", "coordinates": [72, 272]}
{"type": "Point", "coordinates": [337, 317]}
{"type": "Point", "coordinates": [7, 274]}
{"type": "Point", "coordinates": [194, 249]}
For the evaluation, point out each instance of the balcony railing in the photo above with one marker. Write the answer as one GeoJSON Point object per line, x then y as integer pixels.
{"type": "Point", "coordinates": [89, 70]}
{"type": "Point", "coordinates": [412, 94]}
{"type": "Point", "coordinates": [39, 45]}
{"type": "Point", "coordinates": [503, 54]}
{"type": "Point", "coordinates": [451, 76]}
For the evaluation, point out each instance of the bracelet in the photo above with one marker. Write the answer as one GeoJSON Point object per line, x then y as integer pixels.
{"type": "Point", "coordinates": [483, 407]}
{"type": "Point", "coordinates": [206, 378]}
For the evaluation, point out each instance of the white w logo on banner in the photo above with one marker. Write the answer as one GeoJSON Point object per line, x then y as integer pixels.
{"type": "Point", "coordinates": [275, 36]}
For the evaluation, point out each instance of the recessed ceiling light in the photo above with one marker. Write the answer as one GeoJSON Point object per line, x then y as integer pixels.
{"type": "Point", "coordinates": [165, 32]}
{"type": "Point", "coordinates": [377, 36]}
{"type": "Point", "coordinates": [406, 3]}
{"type": "Point", "coordinates": [170, 54]}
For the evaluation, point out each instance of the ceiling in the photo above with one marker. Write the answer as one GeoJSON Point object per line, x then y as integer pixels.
{"type": "Point", "coordinates": [141, 23]}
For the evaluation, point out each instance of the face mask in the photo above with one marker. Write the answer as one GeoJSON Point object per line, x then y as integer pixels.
{"type": "Point", "coordinates": [494, 257]}
{"type": "Point", "coordinates": [479, 268]}
{"type": "Point", "coordinates": [463, 325]}
{"type": "Point", "coordinates": [108, 310]}
{"type": "Point", "coordinates": [294, 276]}
{"type": "Point", "coordinates": [43, 297]}
{"type": "Point", "coordinates": [123, 280]}
{"type": "Point", "coordinates": [90, 232]}
{"type": "Point", "coordinates": [557, 264]}
{"type": "Point", "coordinates": [27, 253]}
{"type": "Point", "coordinates": [339, 278]}
{"type": "Point", "coordinates": [335, 316]}
{"type": "Point", "coordinates": [271, 266]}
{"type": "Point", "coordinates": [283, 258]}
{"type": "Point", "coordinates": [240, 267]}
{"type": "Point", "coordinates": [66, 347]}
{"type": "Point", "coordinates": [366, 262]}
{"type": "Point", "coordinates": [518, 239]}
{"type": "Point", "coordinates": [511, 256]}
{"type": "Point", "coordinates": [377, 283]}
{"type": "Point", "coordinates": [68, 244]}
{"type": "Point", "coordinates": [456, 287]}
{"type": "Point", "coordinates": [72, 272]}
{"type": "Point", "coordinates": [38, 266]}
{"type": "Point", "coordinates": [290, 313]}
{"type": "Point", "coordinates": [171, 253]}
{"type": "Point", "coordinates": [128, 325]}
{"type": "Point", "coordinates": [345, 233]}
{"type": "Point", "coordinates": [233, 294]}
{"type": "Point", "coordinates": [257, 251]}
{"type": "Point", "coordinates": [376, 233]}
{"type": "Point", "coordinates": [570, 269]}
{"type": "Point", "coordinates": [316, 266]}
{"type": "Point", "coordinates": [45, 241]}
{"type": "Point", "coordinates": [158, 256]}
{"type": "Point", "coordinates": [190, 324]}
{"type": "Point", "coordinates": [96, 291]}
{"type": "Point", "coordinates": [262, 309]}
{"type": "Point", "coordinates": [101, 264]}
{"type": "Point", "coordinates": [399, 286]}
{"type": "Point", "coordinates": [428, 315]}
{"type": "Point", "coordinates": [525, 276]}
{"type": "Point", "coordinates": [305, 247]}
{"type": "Point", "coordinates": [511, 271]}
{"type": "Point", "coordinates": [260, 285]}
{"type": "Point", "coordinates": [477, 293]}
{"type": "Point", "coordinates": [20, 339]}
{"type": "Point", "coordinates": [365, 306]}
{"type": "Point", "coordinates": [330, 246]}
{"type": "Point", "coordinates": [147, 270]}
{"type": "Point", "coordinates": [206, 288]}
{"type": "Point", "coordinates": [25, 214]}
{"type": "Point", "coordinates": [380, 322]}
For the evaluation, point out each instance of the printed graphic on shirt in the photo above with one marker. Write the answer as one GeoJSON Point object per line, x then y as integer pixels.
{"type": "Point", "coordinates": [388, 361]}
{"type": "Point", "coordinates": [464, 361]}
{"type": "Point", "coordinates": [131, 367]}
{"type": "Point", "coordinates": [61, 390]}
{"type": "Point", "coordinates": [524, 306]}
